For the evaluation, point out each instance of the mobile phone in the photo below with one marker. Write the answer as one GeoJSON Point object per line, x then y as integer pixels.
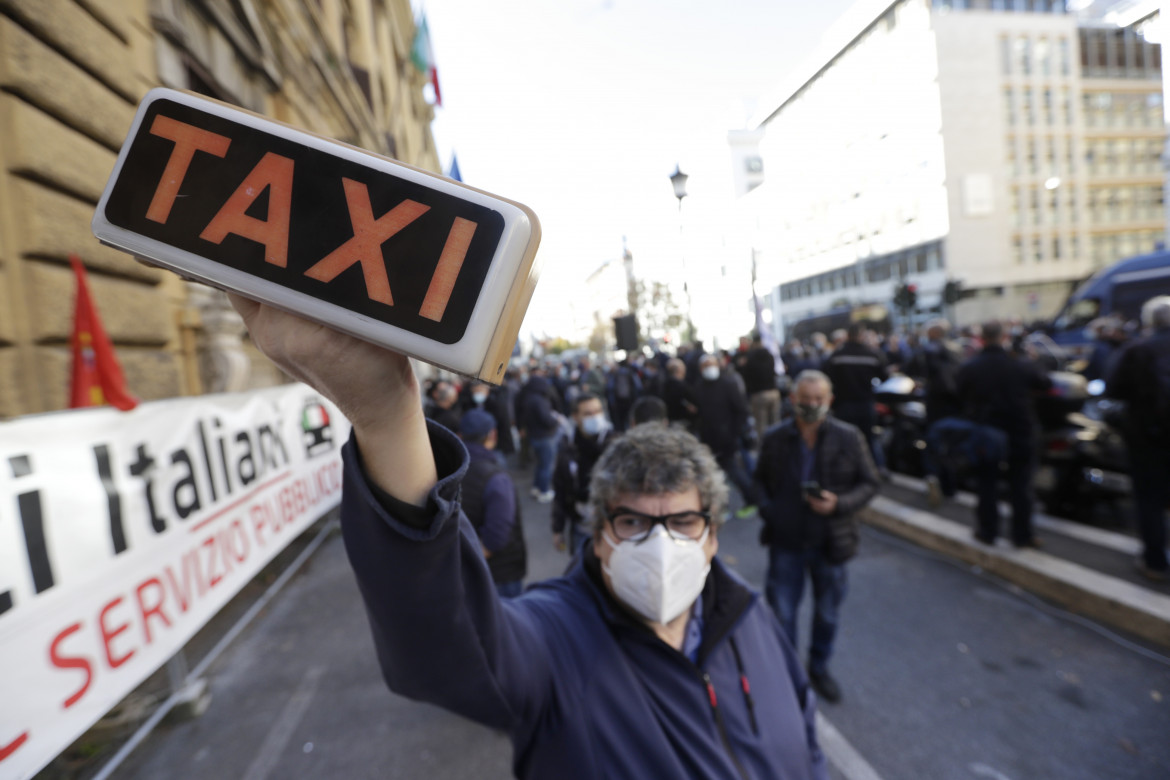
{"type": "Point", "coordinates": [812, 489]}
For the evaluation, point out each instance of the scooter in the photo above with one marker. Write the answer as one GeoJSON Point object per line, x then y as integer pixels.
{"type": "Point", "coordinates": [1083, 459]}
{"type": "Point", "coordinates": [901, 424]}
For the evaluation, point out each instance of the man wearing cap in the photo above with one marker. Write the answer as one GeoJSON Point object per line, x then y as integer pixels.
{"type": "Point", "coordinates": [489, 499]}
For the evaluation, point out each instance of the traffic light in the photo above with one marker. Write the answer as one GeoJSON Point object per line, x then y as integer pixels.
{"type": "Point", "coordinates": [952, 292]}
{"type": "Point", "coordinates": [906, 296]}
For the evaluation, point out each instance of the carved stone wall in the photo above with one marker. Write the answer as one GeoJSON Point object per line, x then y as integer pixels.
{"type": "Point", "coordinates": [71, 74]}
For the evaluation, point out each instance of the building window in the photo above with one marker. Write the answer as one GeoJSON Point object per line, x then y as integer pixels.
{"type": "Point", "coordinates": [1009, 106]}
{"type": "Point", "coordinates": [1037, 249]}
{"type": "Point", "coordinates": [1018, 250]}
{"type": "Point", "coordinates": [1024, 55]}
{"type": "Point", "coordinates": [1049, 112]}
{"type": "Point", "coordinates": [1005, 55]}
{"type": "Point", "coordinates": [1062, 44]}
{"type": "Point", "coordinates": [1043, 67]}
{"type": "Point", "coordinates": [1066, 106]}
{"type": "Point", "coordinates": [1028, 109]}
{"type": "Point", "coordinates": [1056, 247]}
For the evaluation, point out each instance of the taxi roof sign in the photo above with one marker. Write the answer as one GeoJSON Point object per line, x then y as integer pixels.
{"type": "Point", "coordinates": [398, 256]}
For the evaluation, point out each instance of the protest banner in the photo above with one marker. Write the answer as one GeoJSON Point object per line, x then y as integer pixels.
{"type": "Point", "coordinates": [123, 533]}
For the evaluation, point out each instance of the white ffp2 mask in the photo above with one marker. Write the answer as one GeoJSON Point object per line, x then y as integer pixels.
{"type": "Point", "coordinates": [661, 577]}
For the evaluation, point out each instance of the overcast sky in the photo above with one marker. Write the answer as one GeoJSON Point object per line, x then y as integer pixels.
{"type": "Point", "coordinates": [581, 109]}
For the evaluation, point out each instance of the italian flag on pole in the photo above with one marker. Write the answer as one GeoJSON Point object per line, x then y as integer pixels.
{"type": "Point", "coordinates": [423, 58]}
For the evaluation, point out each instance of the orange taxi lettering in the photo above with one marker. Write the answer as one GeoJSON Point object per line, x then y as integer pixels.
{"type": "Point", "coordinates": [275, 173]}
{"type": "Point", "coordinates": [366, 245]}
{"type": "Point", "coordinates": [188, 140]}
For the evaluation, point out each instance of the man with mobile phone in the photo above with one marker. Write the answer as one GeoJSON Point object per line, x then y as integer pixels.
{"type": "Point", "coordinates": [816, 473]}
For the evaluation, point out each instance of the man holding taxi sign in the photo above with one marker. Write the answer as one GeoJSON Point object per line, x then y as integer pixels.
{"type": "Point", "coordinates": [649, 658]}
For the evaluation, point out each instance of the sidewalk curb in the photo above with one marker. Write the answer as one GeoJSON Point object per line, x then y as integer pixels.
{"type": "Point", "coordinates": [1114, 602]}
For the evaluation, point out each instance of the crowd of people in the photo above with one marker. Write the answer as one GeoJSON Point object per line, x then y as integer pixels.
{"type": "Point", "coordinates": [647, 626]}
{"type": "Point", "coordinates": [978, 384]}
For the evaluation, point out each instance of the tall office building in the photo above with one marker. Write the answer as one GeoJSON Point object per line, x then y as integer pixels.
{"type": "Point", "coordinates": [1012, 145]}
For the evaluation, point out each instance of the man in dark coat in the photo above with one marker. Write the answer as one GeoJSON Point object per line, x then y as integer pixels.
{"type": "Point", "coordinates": [816, 474]}
{"type": "Point", "coordinates": [538, 412]}
{"type": "Point", "coordinates": [757, 366]}
{"type": "Point", "coordinates": [444, 407]}
{"type": "Point", "coordinates": [852, 369]}
{"type": "Point", "coordinates": [497, 402]}
{"type": "Point", "coordinates": [617, 670]}
{"type": "Point", "coordinates": [576, 455]}
{"type": "Point", "coordinates": [998, 390]}
{"type": "Point", "coordinates": [489, 499]}
{"type": "Point", "coordinates": [623, 387]}
{"type": "Point", "coordinates": [1141, 377]}
{"type": "Point", "coordinates": [936, 365]}
{"type": "Point", "coordinates": [722, 418]}
{"type": "Point", "coordinates": [678, 395]}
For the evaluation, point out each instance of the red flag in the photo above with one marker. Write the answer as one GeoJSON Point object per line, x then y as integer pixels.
{"type": "Point", "coordinates": [97, 377]}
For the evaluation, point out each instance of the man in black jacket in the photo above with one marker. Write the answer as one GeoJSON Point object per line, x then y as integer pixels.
{"type": "Point", "coordinates": [678, 395]}
{"type": "Point", "coordinates": [576, 456]}
{"type": "Point", "coordinates": [757, 366]}
{"type": "Point", "coordinates": [1141, 377]}
{"type": "Point", "coordinates": [816, 474]}
{"type": "Point", "coordinates": [489, 499]}
{"type": "Point", "coordinates": [935, 365]}
{"type": "Point", "coordinates": [722, 419]}
{"type": "Point", "coordinates": [539, 408]}
{"type": "Point", "coordinates": [998, 390]}
{"type": "Point", "coordinates": [852, 369]}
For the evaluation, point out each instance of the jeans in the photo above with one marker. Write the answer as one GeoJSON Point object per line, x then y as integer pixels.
{"type": "Point", "coordinates": [938, 464]}
{"type": "Point", "coordinates": [510, 590]}
{"type": "Point", "coordinates": [545, 451]}
{"type": "Point", "coordinates": [785, 587]}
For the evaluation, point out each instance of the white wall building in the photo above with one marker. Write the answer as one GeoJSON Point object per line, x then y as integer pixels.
{"type": "Point", "coordinates": [1008, 144]}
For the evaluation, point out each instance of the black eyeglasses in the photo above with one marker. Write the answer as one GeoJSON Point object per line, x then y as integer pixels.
{"type": "Point", "coordinates": [631, 526]}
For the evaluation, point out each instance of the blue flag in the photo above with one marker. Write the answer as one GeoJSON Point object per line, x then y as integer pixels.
{"type": "Point", "coordinates": [454, 170]}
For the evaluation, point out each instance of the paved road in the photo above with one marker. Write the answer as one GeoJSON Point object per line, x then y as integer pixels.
{"type": "Point", "coordinates": [946, 674]}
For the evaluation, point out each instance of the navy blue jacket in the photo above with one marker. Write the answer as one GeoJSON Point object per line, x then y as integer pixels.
{"type": "Point", "coordinates": [583, 689]}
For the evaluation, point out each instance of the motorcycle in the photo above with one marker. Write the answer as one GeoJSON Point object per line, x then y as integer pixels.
{"type": "Point", "coordinates": [901, 424]}
{"type": "Point", "coordinates": [1083, 459]}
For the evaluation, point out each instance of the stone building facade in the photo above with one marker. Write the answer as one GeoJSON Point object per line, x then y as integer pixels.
{"type": "Point", "coordinates": [71, 75]}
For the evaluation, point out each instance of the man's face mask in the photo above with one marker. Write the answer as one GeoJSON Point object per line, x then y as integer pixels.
{"type": "Point", "coordinates": [594, 424]}
{"type": "Point", "coordinates": [660, 577]}
{"type": "Point", "coordinates": [711, 373]}
{"type": "Point", "coordinates": [811, 413]}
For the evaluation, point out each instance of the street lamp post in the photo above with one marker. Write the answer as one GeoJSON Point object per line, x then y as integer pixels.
{"type": "Point", "coordinates": [678, 180]}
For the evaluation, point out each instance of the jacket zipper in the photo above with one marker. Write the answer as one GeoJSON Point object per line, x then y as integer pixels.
{"type": "Point", "coordinates": [714, 701]}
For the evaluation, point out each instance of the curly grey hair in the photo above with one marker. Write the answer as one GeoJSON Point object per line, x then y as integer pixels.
{"type": "Point", "coordinates": [652, 460]}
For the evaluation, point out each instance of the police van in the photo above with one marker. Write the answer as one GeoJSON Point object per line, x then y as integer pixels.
{"type": "Point", "coordinates": [1117, 291]}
